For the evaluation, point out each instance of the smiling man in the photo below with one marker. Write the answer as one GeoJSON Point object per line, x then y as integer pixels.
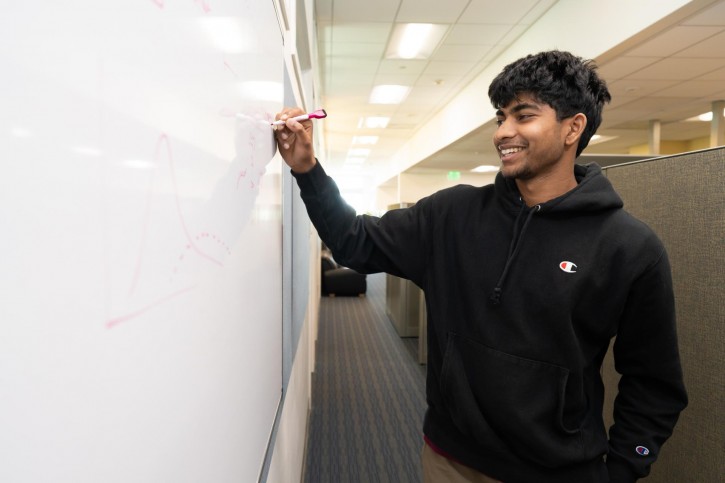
{"type": "Point", "coordinates": [526, 282]}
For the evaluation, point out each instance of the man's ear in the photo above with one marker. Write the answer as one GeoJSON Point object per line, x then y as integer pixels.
{"type": "Point", "coordinates": [577, 123]}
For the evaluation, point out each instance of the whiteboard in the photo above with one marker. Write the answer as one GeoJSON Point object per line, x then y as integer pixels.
{"type": "Point", "coordinates": [140, 242]}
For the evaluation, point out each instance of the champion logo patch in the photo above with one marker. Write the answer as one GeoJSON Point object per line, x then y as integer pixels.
{"type": "Point", "coordinates": [641, 450]}
{"type": "Point", "coordinates": [568, 267]}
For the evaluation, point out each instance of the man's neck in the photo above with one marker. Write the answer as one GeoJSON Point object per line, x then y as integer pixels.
{"type": "Point", "coordinates": [546, 186]}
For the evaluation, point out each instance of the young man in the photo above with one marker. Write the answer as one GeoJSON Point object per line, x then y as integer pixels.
{"type": "Point", "coordinates": [526, 282]}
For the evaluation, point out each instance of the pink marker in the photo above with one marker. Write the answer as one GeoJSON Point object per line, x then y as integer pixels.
{"type": "Point", "coordinates": [318, 114]}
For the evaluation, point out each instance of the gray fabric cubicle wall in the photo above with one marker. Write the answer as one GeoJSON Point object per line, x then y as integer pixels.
{"type": "Point", "coordinates": [682, 198]}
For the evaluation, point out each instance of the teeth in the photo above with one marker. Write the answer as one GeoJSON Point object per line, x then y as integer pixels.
{"type": "Point", "coordinates": [511, 150]}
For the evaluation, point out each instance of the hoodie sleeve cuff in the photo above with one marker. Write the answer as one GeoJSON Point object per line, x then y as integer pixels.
{"type": "Point", "coordinates": [619, 472]}
{"type": "Point", "coordinates": [311, 179]}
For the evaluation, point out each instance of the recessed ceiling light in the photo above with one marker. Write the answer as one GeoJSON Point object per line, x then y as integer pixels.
{"type": "Point", "coordinates": [388, 94]}
{"type": "Point", "coordinates": [597, 138]}
{"type": "Point", "coordinates": [705, 117]}
{"type": "Point", "coordinates": [373, 122]}
{"type": "Point", "coordinates": [359, 152]}
{"type": "Point", "coordinates": [486, 168]}
{"type": "Point", "coordinates": [365, 139]}
{"type": "Point", "coordinates": [414, 40]}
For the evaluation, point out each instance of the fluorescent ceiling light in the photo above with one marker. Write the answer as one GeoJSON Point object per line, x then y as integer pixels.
{"type": "Point", "coordinates": [597, 139]}
{"type": "Point", "coordinates": [355, 160]}
{"type": "Point", "coordinates": [388, 94]}
{"type": "Point", "coordinates": [365, 139]}
{"type": "Point", "coordinates": [485, 168]}
{"type": "Point", "coordinates": [359, 152]}
{"type": "Point", "coordinates": [350, 183]}
{"type": "Point", "coordinates": [414, 40]}
{"type": "Point", "coordinates": [374, 122]}
{"type": "Point", "coordinates": [352, 168]}
{"type": "Point", "coordinates": [705, 117]}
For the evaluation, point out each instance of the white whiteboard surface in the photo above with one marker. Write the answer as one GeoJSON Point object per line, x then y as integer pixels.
{"type": "Point", "coordinates": [140, 240]}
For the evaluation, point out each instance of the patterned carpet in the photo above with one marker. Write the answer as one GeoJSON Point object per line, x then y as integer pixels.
{"type": "Point", "coordinates": [368, 395]}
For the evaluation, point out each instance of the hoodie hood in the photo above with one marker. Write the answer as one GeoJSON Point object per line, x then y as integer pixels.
{"type": "Point", "coordinates": [593, 192]}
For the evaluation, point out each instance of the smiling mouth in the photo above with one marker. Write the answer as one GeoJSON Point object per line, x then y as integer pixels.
{"type": "Point", "coordinates": [509, 151]}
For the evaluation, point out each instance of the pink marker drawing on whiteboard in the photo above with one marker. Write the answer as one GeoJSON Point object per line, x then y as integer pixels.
{"type": "Point", "coordinates": [318, 114]}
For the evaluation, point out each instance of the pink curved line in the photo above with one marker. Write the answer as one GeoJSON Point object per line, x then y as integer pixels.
{"type": "Point", "coordinates": [144, 236]}
{"type": "Point", "coordinates": [229, 67]}
{"type": "Point", "coordinates": [164, 137]}
{"type": "Point", "coordinates": [125, 318]}
{"type": "Point", "coordinates": [204, 6]}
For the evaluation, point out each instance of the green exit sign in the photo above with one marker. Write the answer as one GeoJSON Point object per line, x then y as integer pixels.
{"type": "Point", "coordinates": [454, 175]}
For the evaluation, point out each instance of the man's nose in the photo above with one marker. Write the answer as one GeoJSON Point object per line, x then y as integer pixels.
{"type": "Point", "coordinates": [504, 130]}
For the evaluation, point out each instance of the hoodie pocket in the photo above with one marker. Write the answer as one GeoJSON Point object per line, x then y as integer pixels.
{"type": "Point", "coordinates": [496, 397]}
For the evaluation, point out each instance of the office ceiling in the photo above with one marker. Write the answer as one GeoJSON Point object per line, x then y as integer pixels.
{"type": "Point", "coordinates": [671, 74]}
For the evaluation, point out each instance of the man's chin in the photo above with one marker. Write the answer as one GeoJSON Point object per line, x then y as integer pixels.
{"type": "Point", "coordinates": [515, 173]}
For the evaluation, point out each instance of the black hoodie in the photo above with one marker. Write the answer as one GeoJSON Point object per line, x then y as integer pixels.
{"type": "Point", "coordinates": [522, 303]}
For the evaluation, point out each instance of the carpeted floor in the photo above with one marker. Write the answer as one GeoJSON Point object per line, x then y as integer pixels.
{"type": "Point", "coordinates": [368, 395]}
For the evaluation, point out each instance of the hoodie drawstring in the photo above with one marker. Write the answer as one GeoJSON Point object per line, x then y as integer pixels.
{"type": "Point", "coordinates": [495, 297]}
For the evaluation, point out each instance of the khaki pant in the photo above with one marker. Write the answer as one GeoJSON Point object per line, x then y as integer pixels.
{"type": "Point", "coordinates": [439, 469]}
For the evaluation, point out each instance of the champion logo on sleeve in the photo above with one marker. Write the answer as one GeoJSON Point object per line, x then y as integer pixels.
{"type": "Point", "coordinates": [568, 267]}
{"type": "Point", "coordinates": [641, 450]}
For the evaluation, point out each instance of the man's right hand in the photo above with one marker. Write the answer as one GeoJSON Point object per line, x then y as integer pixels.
{"type": "Point", "coordinates": [294, 140]}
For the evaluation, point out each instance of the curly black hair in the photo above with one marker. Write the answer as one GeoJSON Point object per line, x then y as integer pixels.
{"type": "Point", "coordinates": [567, 83]}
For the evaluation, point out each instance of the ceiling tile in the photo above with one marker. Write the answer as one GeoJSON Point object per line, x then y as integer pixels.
{"type": "Point", "coordinates": [365, 32]}
{"type": "Point", "coordinates": [644, 108]}
{"type": "Point", "coordinates": [400, 66]}
{"type": "Point", "coordinates": [513, 34]}
{"type": "Point", "coordinates": [695, 89]}
{"type": "Point", "coordinates": [373, 11]}
{"type": "Point", "coordinates": [711, 47]}
{"type": "Point", "coordinates": [714, 15]}
{"type": "Point", "coordinates": [673, 40]}
{"type": "Point", "coordinates": [677, 69]}
{"type": "Point", "coordinates": [461, 53]}
{"type": "Point", "coordinates": [537, 11]}
{"type": "Point", "coordinates": [396, 78]}
{"type": "Point", "coordinates": [355, 49]}
{"type": "Point", "coordinates": [632, 87]}
{"type": "Point", "coordinates": [351, 67]}
{"type": "Point", "coordinates": [440, 67]}
{"type": "Point", "coordinates": [718, 74]}
{"type": "Point", "coordinates": [423, 11]}
{"type": "Point", "coordinates": [323, 10]}
{"type": "Point", "coordinates": [496, 11]}
{"type": "Point", "coordinates": [447, 79]}
{"type": "Point", "coordinates": [621, 67]}
{"type": "Point", "coordinates": [477, 34]}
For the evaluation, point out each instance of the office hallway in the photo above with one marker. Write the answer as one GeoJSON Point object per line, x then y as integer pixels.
{"type": "Point", "coordinates": [368, 395]}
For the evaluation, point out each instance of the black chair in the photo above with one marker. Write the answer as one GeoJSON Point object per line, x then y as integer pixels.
{"type": "Point", "coordinates": [338, 280]}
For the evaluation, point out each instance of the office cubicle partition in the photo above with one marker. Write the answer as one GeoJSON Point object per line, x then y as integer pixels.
{"type": "Point", "coordinates": [682, 198]}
